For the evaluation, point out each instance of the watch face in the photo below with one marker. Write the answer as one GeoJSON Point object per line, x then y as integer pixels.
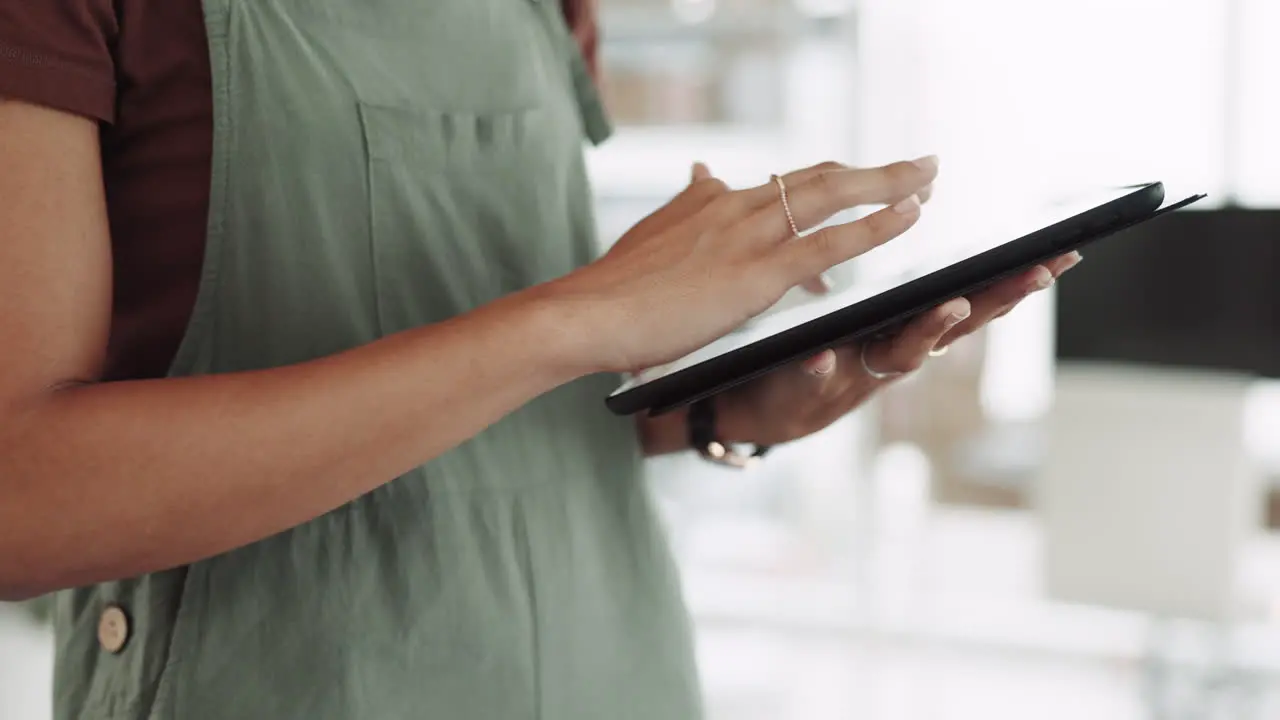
{"type": "Point", "coordinates": [701, 422]}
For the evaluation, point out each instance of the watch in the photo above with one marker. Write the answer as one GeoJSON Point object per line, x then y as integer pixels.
{"type": "Point", "coordinates": [703, 437]}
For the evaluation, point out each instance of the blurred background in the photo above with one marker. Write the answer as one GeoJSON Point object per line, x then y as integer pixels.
{"type": "Point", "coordinates": [1071, 515]}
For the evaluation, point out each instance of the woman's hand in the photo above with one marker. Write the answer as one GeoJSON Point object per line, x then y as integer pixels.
{"type": "Point", "coordinates": [801, 399]}
{"type": "Point", "coordinates": [713, 258]}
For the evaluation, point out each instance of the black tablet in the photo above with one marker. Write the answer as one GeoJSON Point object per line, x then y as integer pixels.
{"type": "Point", "coordinates": [784, 335]}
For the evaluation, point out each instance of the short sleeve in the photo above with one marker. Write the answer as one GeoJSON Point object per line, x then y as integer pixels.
{"type": "Point", "coordinates": [58, 53]}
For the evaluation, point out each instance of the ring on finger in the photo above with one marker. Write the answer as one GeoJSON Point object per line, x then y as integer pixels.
{"type": "Point", "coordinates": [786, 204]}
{"type": "Point", "coordinates": [875, 374]}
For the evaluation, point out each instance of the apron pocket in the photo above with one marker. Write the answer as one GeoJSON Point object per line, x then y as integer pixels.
{"type": "Point", "coordinates": [465, 56]}
{"type": "Point", "coordinates": [463, 209]}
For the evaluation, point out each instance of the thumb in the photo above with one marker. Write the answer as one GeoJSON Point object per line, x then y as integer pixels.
{"type": "Point", "coordinates": [820, 285]}
{"type": "Point", "coordinates": [700, 172]}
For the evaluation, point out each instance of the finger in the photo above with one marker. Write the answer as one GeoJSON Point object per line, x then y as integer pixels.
{"type": "Point", "coordinates": [999, 300]}
{"type": "Point", "coordinates": [925, 193]}
{"type": "Point", "coordinates": [1012, 290]}
{"type": "Point", "coordinates": [1057, 267]}
{"type": "Point", "coordinates": [767, 193]}
{"type": "Point", "coordinates": [814, 254]}
{"type": "Point", "coordinates": [821, 365]}
{"type": "Point", "coordinates": [704, 184]}
{"type": "Point", "coordinates": [827, 191]}
{"type": "Point", "coordinates": [1005, 311]}
{"type": "Point", "coordinates": [830, 191]}
{"type": "Point", "coordinates": [1063, 263]}
{"type": "Point", "coordinates": [820, 285]}
{"type": "Point", "coordinates": [908, 350]}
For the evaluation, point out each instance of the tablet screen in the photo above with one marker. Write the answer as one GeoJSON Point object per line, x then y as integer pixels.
{"type": "Point", "coordinates": [799, 306]}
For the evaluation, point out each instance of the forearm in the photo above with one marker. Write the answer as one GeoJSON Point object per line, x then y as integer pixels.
{"type": "Point", "coordinates": [116, 479]}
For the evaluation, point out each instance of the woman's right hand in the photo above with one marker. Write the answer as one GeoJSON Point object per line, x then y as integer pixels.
{"type": "Point", "coordinates": [713, 258]}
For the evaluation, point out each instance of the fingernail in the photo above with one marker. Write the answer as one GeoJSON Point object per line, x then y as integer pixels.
{"type": "Point", "coordinates": [955, 319]}
{"type": "Point", "coordinates": [824, 281]}
{"type": "Point", "coordinates": [907, 206]}
{"type": "Point", "coordinates": [928, 163]}
{"type": "Point", "coordinates": [699, 171]}
{"type": "Point", "coordinates": [1045, 281]}
{"type": "Point", "coordinates": [1073, 259]}
{"type": "Point", "coordinates": [826, 362]}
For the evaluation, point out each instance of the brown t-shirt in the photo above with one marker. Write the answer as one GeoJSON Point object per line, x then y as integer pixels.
{"type": "Point", "coordinates": [142, 68]}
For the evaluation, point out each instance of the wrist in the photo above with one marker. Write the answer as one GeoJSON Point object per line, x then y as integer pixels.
{"type": "Point", "coordinates": [547, 334]}
{"type": "Point", "coordinates": [584, 325]}
{"type": "Point", "coordinates": [731, 422]}
{"type": "Point", "coordinates": [664, 434]}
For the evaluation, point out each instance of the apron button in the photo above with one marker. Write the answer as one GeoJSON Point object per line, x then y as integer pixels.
{"type": "Point", "coordinates": [113, 629]}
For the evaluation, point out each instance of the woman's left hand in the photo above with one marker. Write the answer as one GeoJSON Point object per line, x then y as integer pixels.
{"type": "Point", "coordinates": [799, 400]}
{"type": "Point", "coordinates": [803, 398]}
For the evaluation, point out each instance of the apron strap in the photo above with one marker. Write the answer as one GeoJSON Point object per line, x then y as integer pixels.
{"type": "Point", "coordinates": [595, 119]}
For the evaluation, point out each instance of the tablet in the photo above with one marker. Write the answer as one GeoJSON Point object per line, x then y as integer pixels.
{"type": "Point", "coordinates": [793, 330]}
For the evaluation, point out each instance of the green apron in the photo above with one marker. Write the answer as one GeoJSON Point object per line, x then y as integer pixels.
{"type": "Point", "coordinates": [377, 166]}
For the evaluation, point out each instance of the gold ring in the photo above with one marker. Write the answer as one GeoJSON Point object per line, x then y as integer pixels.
{"type": "Point", "coordinates": [786, 204]}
